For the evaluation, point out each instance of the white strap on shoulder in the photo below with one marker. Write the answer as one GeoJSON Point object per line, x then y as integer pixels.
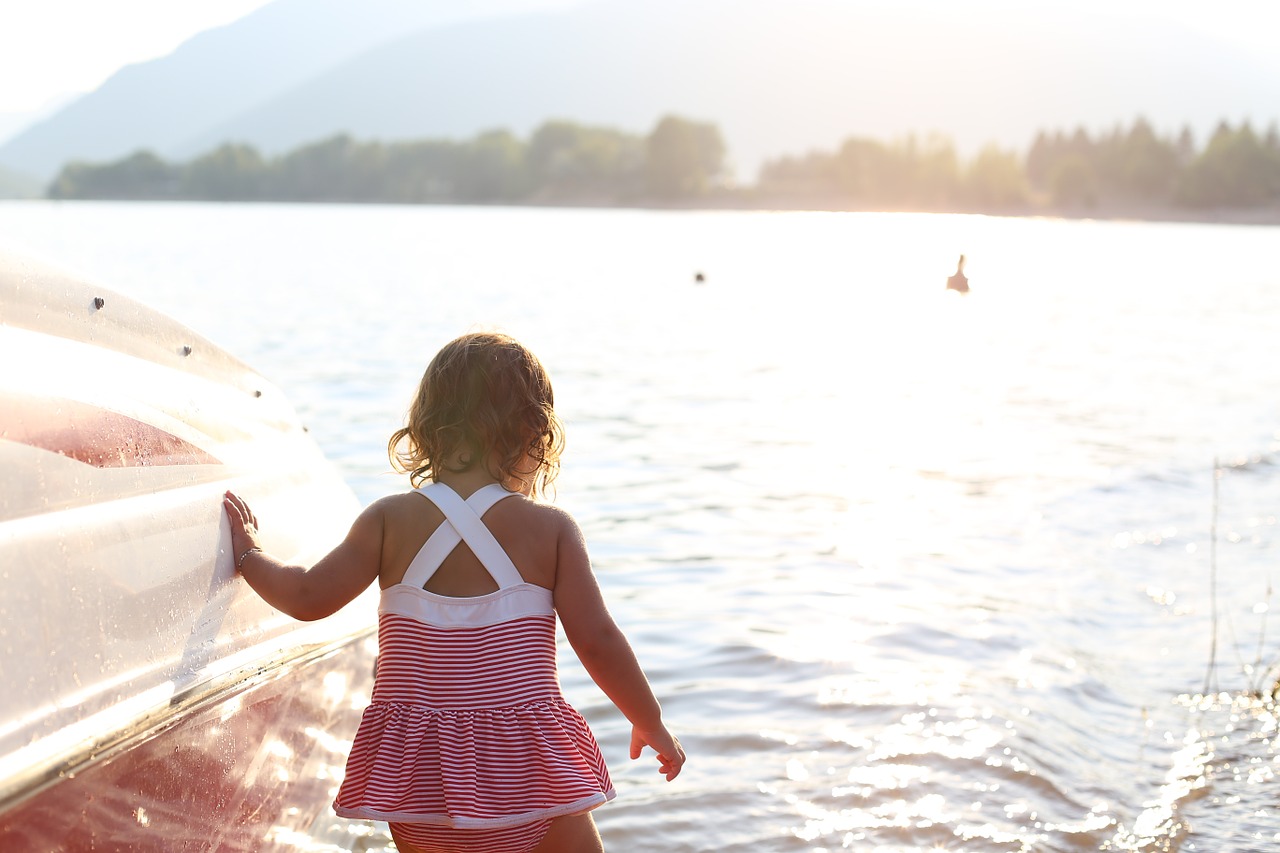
{"type": "Point", "coordinates": [462, 521]}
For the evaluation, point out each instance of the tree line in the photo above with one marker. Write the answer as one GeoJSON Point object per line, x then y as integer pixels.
{"type": "Point", "coordinates": [1132, 166]}
{"type": "Point", "coordinates": [560, 162]}
{"type": "Point", "coordinates": [1237, 167]}
{"type": "Point", "coordinates": [682, 160]}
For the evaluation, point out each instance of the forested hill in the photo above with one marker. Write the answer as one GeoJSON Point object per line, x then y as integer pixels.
{"type": "Point", "coordinates": [683, 161]}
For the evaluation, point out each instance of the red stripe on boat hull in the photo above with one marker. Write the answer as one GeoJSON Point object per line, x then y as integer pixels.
{"type": "Point", "coordinates": [93, 435]}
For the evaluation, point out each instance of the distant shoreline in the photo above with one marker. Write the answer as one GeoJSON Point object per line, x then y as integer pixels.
{"type": "Point", "coordinates": [1266, 215]}
{"type": "Point", "coordinates": [1126, 174]}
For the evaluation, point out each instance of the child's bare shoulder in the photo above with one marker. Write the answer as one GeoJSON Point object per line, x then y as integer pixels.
{"type": "Point", "coordinates": [566, 530]}
{"type": "Point", "coordinates": [402, 506]}
{"type": "Point", "coordinates": [547, 516]}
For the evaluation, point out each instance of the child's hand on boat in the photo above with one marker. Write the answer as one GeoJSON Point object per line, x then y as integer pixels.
{"type": "Point", "coordinates": [244, 527]}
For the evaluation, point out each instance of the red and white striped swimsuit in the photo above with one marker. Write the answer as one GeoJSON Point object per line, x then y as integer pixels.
{"type": "Point", "coordinates": [467, 728]}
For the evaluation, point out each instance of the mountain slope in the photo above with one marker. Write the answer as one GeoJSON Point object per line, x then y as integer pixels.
{"type": "Point", "coordinates": [221, 73]}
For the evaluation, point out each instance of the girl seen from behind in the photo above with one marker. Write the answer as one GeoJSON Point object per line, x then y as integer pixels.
{"type": "Point", "coordinates": [468, 744]}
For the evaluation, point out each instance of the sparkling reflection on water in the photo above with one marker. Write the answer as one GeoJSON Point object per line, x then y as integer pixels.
{"type": "Point", "coordinates": [910, 570]}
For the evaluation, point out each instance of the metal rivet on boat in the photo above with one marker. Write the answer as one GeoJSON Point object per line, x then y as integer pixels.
{"type": "Point", "coordinates": [186, 349]}
{"type": "Point", "coordinates": [98, 302]}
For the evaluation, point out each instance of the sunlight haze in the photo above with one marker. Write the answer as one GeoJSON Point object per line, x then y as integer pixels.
{"type": "Point", "coordinates": [55, 51]}
{"type": "Point", "coordinates": [56, 48]}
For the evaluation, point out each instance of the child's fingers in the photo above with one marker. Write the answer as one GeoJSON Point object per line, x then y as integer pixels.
{"type": "Point", "coordinates": [238, 510]}
{"type": "Point", "coordinates": [233, 513]}
{"type": "Point", "coordinates": [671, 766]}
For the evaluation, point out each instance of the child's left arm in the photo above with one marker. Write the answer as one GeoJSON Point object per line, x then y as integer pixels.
{"type": "Point", "coordinates": [605, 653]}
{"type": "Point", "coordinates": [307, 594]}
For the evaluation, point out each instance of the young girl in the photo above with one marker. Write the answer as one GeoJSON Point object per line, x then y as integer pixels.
{"type": "Point", "coordinates": [468, 744]}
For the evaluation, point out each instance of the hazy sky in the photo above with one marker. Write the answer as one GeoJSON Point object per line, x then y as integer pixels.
{"type": "Point", "coordinates": [50, 49]}
{"type": "Point", "coordinates": [53, 48]}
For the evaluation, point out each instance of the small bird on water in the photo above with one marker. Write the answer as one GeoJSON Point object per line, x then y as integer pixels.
{"type": "Point", "coordinates": [959, 282]}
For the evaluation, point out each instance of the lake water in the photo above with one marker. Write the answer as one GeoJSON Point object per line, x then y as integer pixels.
{"type": "Point", "coordinates": [909, 570]}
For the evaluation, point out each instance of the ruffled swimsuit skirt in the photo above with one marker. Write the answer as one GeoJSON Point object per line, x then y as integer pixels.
{"type": "Point", "coordinates": [467, 728]}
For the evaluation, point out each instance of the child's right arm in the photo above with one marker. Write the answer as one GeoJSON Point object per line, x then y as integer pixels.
{"type": "Point", "coordinates": [605, 652]}
{"type": "Point", "coordinates": [303, 593]}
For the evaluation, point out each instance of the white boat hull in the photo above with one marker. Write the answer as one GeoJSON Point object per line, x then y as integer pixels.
{"type": "Point", "coordinates": [151, 700]}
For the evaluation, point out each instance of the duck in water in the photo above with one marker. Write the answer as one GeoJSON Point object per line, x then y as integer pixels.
{"type": "Point", "coordinates": [959, 282]}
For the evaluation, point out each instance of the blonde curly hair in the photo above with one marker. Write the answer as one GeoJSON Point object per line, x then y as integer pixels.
{"type": "Point", "coordinates": [484, 400]}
